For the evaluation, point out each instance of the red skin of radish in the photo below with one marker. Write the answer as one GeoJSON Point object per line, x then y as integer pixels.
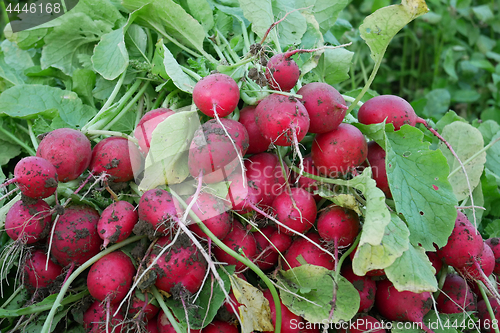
{"type": "Point", "coordinates": [212, 153]}
{"type": "Point", "coordinates": [376, 158]}
{"type": "Point", "coordinates": [311, 254]}
{"type": "Point", "coordinates": [116, 222]}
{"type": "Point", "coordinates": [456, 296]}
{"type": "Point", "coordinates": [214, 214]}
{"type": "Point", "coordinates": [464, 244]}
{"type": "Point", "coordinates": [402, 305]}
{"type": "Point", "coordinates": [138, 305]}
{"type": "Point", "coordinates": [36, 177]}
{"type": "Point", "coordinates": [238, 238]}
{"type": "Point", "coordinates": [35, 274]}
{"type": "Point", "coordinates": [278, 115]}
{"type": "Point", "coordinates": [144, 130]}
{"type": "Point", "coordinates": [494, 243]}
{"type": "Point", "coordinates": [308, 184]}
{"type": "Point", "coordinates": [30, 222]}
{"type": "Point", "coordinates": [94, 319]}
{"type": "Point", "coordinates": [299, 218]}
{"type": "Point", "coordinates": [152, 326]}
{"type": "Point", "coordinates": [337, 224]}
{"type": "Point", "coordinates": [397, 111]}
{"type": "Point", "coordinates": [340, 151]}
{"type": "Point", "coordinates": [219, 90]}
{"type": "Point", "coordinates": [268, 254]}
{"type": "Point", "coordinates": [324, 104]}
{"type": "Point", "coordinates": [111, 277]}
{"type": "Point", "coordinates": [182, 264]}
{"type": "Point", "coordinates": [365, 324]}
{"type": "Point", "coordinates": [282, 72]}
{"type": "Point", "coordinates": [158, 208]}
{"type": "Point", "coordinates": [68, 150]}
{"type": "Point", "coordinates": [258, 143]}
{"type": "Point", "coordinates": [76, 239]}
{"type": "Point", "coordinates": [435, 261]}
{"type": "Point", "coordinates": [117, 157]}
{"type": "Point", "coordinates": [365, 286]}
{"type": "Point", "coordinates": [219, 326]}
{"type": "Point", "coordinates": [486, 261]}
{"type": "Point", "coordinates": [485, 321]}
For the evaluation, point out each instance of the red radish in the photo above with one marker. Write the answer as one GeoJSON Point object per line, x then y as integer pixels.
{"type": "Point", "coordinates": [235, 303]}
{"type": "Point", "coordinates": [402, 305]}
{"type": "Point", "coordinates": [117, 157]}
{"type": "Point", "coordinates": [144, 130]}
{"type": "Point", "coordinates": [116, 222]}
{"type": "Point", "coordinates": [282, 72]}
{"type": "Point", "coordinates": [282, 119]}
{"type": "Point", "coordinates": [212, 152]}
{"type": "Point", "coordinates": [364, 285]}
{"type": "Point", "coordinates": [455, 296]}
{"type": "Point", "coordinates": [340, 151]}
{"type": "Point", "coordinates": [28, 222]}
{"type": "Point", "coordinates": [482, 267]}
{"type": "Point", "coordinates": [75, 235]}
{"type": "Point", "coordinates": [152, 326]}
{"type": "Point", "coordinates": [289, 321]}
{"type": "Point", "coordinates": [219, 326]}
{"type": "Point", "coordinates": [364, 324]}
{"type": "Point", "coordinates": [163, 325]}
{"type": "Point", "coordinates": [258, 143]}
{"type": "Point", "coordinates": [158, 208]}
{"type": "Point", "coordinates": [486, 323]}
{"type": "Point", "coordinates": [297, 210]}
{"type": "Point", "coordinates": [269, 247]}
{"type": "Point", "coordinates": [464, 244]}
{"type": "Point", "coordinates": [99, 319]}
{"type": "Point", "coordinates": [308, 184]}
{"type": "Point", "coordinates": [110, 277]}
{"type": "Point", "coordinates": [35, 274]}
{"type": "Point", "coordinates": [310, 253]}
{"type": "Point", "coordinates": [338, 224]}
{"type": "Point", "coordinates": [494, 243]}
{"type": "Point", "coordinates": [68, 150]}
{"type": "Point", "coordinates": [435, 261]}
{"type": "Point", "coordinates": [324, 104]}
{"type": "Point", "coordinates": [216, 93]}
{"type": "Point", "coordinates": [181, 268]}
{"type": "Point", "coordinates": [238, 239]}
{"type": "Point", "coordinates": [376, 158]}
{"type": "Point", "coordinates": [141, 304]}
{"type": "Point", "coordinates": [392, 109]}
{"type": "Point", "coordinates": [214, 213]}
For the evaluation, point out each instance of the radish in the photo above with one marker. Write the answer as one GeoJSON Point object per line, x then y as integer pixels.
{"type": "Point", "coordinates": [481, 267]}
{"type": "Point", "coordinates": [297, 210]}
{"type": "Point", "coordinates": [486, 323]}
{"type": "Point", "coordinates": [68, 150]}
{"type": "Point", "coordinates": [179, 270]}
{"type": "Point", "coordinates": [289, 321]}
{"type": "Point", "coordinates": [402, 305]}
{"type": "Point", "coordinates": [116, 157]}
{"type": "Point", "coordinates": [494, 243]}
{"type": "Point", "coordinates": [163, 325]}
{"type": "Point", "coordinates": [455, 296]}
{"type": "Point", "coordinates": [310, 253]}
{"type": "Point", "coordinates": [75, 238]}
{"type": "Point", "coordinates": [219, 326]}
{"type": "Point", "coordinates": [270, 247]}
{"type": "Point", "coordinates": [116, 222]}
{"type": "Point", "coordinates": [216, 94]}
{"type": "Point", "coordinates": [213, 153]}
{"type": "Point", "coordinates": [282, 119]}
{"type": "Point", "coordinates": [28, 222]}
{"type": "Point", "coordinates": [144, 130]}
{"type": "Point", "coordinates": [35, 274]}
{"type": "Point", "coordinates": [435, 261]}
{"type": "Point", "coordinates": [238, 239]}
{"type": "Point", "coordinates": [98, 319]}
{"type": "Point", "coordinates": [376, 158]}
{"type": "Point", "coordinates": [393, 109]}
{"type": "Point", "coordinates": [365, 286]}
{"type": "Point", "coordinates": [158, 208]}
{"type": "Point", "coordinates": [257, 142]}
{"type": "Point", "coordinates": [214, 213]}
{"type": "Point", "coordinates": [141, 304]}
{"type": "Point", "coordinates": [152, 326]}
{"type": "Point", "coordinates": [282, 72]}
{"type": "Point", "coordinates": [340, 151]}
{"type": "Point", "coordinates": [324, 104]}
{"type": "Point", "coordinates": [308, 184]}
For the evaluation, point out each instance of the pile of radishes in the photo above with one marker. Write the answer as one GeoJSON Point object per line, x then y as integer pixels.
{"type": "Point", "coordinates": [269, 217]}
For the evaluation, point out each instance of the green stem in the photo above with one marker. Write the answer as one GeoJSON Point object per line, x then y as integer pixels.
{"type": "Point", "coordinates": [488, 305]}
{"type": "Point", "coordinates": [217, 49]}
{"type": "Point", "coordinates": [345, 255]}
{"type": "Point", "coordinates": [14, 294]}
{"type": "Point", "coordinates": [34, 141]}
{"type": "Point", "coordinates": [14, 138]}
{"type": "Point", "coordinates": [473, 157]}
{"type": "Point", "coordinates": [247, 262]}
{"type": "Point", "coordinates": [63, 4]}
{"type": "Point", "coordinates": [233, 54]}
{"type": "Point", "coordinates": [188, 50]}
{"type": "Point", "coordinates": [111, 133]}
{"type": "Point", "coordinates": [442, 279]}
{"type": "Point", "coordinates": [166, 310]}
{"type": "Point", "coordinates": [245, 35]}
{"type": "Point", "coordinates": [159, 99]}
{"type": "Point", "coordinates": [191, 73]}
{"type": "Point", "coordinates": [76, 273]}
{"type": "Point", "coordinates": [352, 99]}
{"type": "Point", "coordinates": [276, 92]}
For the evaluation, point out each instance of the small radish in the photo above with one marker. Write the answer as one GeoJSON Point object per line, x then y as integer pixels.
{"type": "Point", "coordinates": [110, 277]}
{"type": "Point", "coordinates": [482, 267]}
{"type": "Point", "coordinates": [338, 152]}
{"type": "Point", "coordinates": [392, 109]}
{"type": "Point", "coordinates": [216, 93]}
{"type": "Point", "coordinates": [68, 150]}
{"type": "Point", "coordinates": [310, 253]}
{"type": "Point", "coordinates": [99, 319]}
{"type": "Point", "coordinates": [257, 142]}
{"type": "Point", "coordinates": [282, 72]}
{"type": "Point", "coordinates": [486, 323]}
{"type": "Point", "coordinates": [144, 130]}
{"type": "Point", "coordinates": [152, 326]}
{"type": "Point", "coordinates": [282, 120]}
{"type": "Point", "coordinates": [435, 261]}
{"type": "Point", "coordinates": [308, 184]}
{"type": "Point", "coordinates": [214, 213]}
{"type": "Point", "coordinates": [494, 244]}
{"type": "Point", "coordinates": [289, 321]}
{"type": "Point", "coordinates": [117, 157]}
{"type": "Point", "coordinates": [324, 104]}
{"type": "Point", "coordinates": [365, 286]}
{"type": "Point", "coordinates": [297, 210]}
{"type": "Point", "coordinates": [28, 222]}
{"type": "Point", "coordinates": [376, 158]}
{"type": "Point", "coordinates": [142, 303]}
{"type": "Point", "coordinates": [455, 296]}
{"type": "Point", "coordinates": [270, 247]}
{"type": "Point", "coordinates": [117, 222]}
{"type": "Point", "coordinates": [158, 208]}
{"type": "Point", "coordinates": [238, 239]}
{"type": "Point", "coordinates": [35, 274]}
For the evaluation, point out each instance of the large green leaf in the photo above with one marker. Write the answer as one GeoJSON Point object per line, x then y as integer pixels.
{"type": "Point", "coordinates": [420, 188]}
{"type": "Point", "coordinates": [201, 10]}
{"type": "Point", "coordinates": [110, 58]}
{"type": "Point", "coordinates": [260, 13]}
{"type": "Point", "coordinates": [334, 65]}
{"type": "Point", "coordinates": [291, 30]}
{"type": "Point", "coordinates": [325, 11]}
{"type": "Point", "coordinates": [175, 72]}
